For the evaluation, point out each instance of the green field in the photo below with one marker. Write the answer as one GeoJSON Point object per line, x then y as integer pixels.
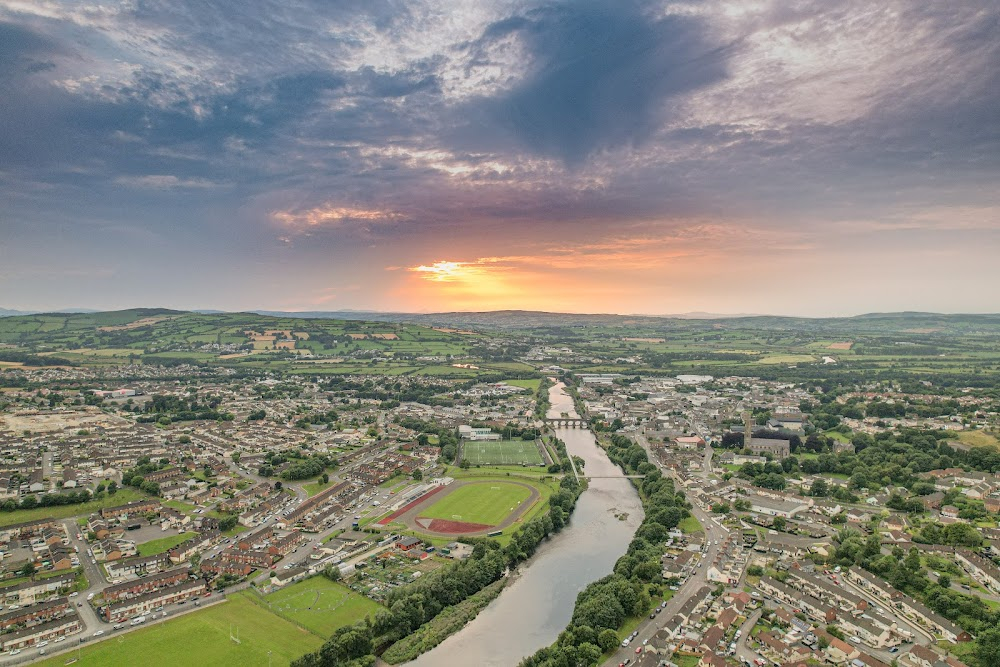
{"type": "Point", "coordinates": [978, 438]}
{"type": "Point", "coordinates": [202, 639]}
{"type": "Point", "coordinates": [503, 452]}
{"type": "Point", "coordinates": [163, 544]}
{"type": "Point", "coordinates": [689, 524]}
{"type": "Point", "coordinates": [62, 511]}
{"type": "Point", "coordinates": [525, 384]}
{"type": "Point", "coordinates": [321, 605]}
{"type": "Point", "coordinates": [487, 503]}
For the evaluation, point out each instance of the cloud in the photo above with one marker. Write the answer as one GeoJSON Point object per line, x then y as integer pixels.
{"type": "Point", "coordinates": [164, 182]}
{"type": "Point", "coordinates": [330, 214]}
{"type": "Point", "coordinates": [599, 75]}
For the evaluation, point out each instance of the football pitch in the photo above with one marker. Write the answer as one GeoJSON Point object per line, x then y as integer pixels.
{"type": "Point", "coordinates": [502, 452]}
{"type": "Point", "coordinates": [321, 605]}
{"type": "Point", "coordinates": [486, 503]}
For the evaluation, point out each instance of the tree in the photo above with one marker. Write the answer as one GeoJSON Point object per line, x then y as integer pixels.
{"type": "Point", "coordinates": [779, 523]}
{"type": "Point", "coordinates": [607, 640]}
{"type": "Point", "coordinates": [418, 475]}
{"type": "Point", "coordinates": [27, 570]}
{"type": "Point", "coordinates": [325, 478]}
{"type": "Point", "coordinates": [332, 572]}
{"type": "Point", "coordinates": [277, 486]}
{"type": "Point", "coordinates": [988, 647]}
{"type": "Point", "coordinates": [228, 522]}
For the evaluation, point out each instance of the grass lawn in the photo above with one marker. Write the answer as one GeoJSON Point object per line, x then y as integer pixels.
{"type": "Point", "coordinates": [202, 638]}
{"type": "Point", "coordinates": [685, 660]}
{"type": "Point", "coordinates": [978, 438]}
{"type": "Point", "coordinates": [63, 511]}
{"type": "Point", "coordinates": [525, 384]}
{"type": "Point", "coordinates": [320, 605]}
{"type": "Point", "coordinates": [523, 452]}
{"type": "Point", "coordinates": [689, 525]}
{"type": "Point", "coordinates": [163, 544]}
{"type": "Point", "coordinates": [837, 435]}
{"type": "Point", "coordinates": [486, 502]}
{"type": "Point", "coordinates": [312, 488]}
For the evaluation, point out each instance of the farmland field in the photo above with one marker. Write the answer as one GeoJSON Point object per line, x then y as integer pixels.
{"type": "Point", "coordinates": [487, 503]}
{"type": "Point", "coordinates": [203, 638]}
{"type": "Point", "coordinates": [502, 452]}
{"type": "Point", "coordinates": [320, 605]}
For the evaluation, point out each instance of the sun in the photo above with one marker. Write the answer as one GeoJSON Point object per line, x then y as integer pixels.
{"type": "Point", "coordinates": [444, 271]}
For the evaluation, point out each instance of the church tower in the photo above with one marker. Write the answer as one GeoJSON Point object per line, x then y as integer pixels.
{"type": "Point", "coordinates": [747, 427]}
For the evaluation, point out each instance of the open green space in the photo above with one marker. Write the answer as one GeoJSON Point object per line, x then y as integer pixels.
{"type": "Point", "coordinates": [163, 544]}
{"type": "Point", "coordinates": [531, 384]}
{"type": "Point", "coordinates": [203, 638]}
{"type": "Point", "coordinates": [320, 605]}
{"type": "Point", "coordinates": [63, 511]}
{"type": "Point", "coordinates": [978, 438]}
{"type": "Point", "coordinates": [689, 524]}
{"type": "Point", "coordinates": [502, 452]}
{"type": "Point", "coordinates": [488, 502]}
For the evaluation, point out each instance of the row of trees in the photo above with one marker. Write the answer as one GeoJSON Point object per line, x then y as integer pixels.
{"type": "Point", "coordinates": [603, 606]}
{"type": "Point", "coordinates": [412, 606]}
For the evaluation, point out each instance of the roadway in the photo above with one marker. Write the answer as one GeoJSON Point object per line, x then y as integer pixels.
{"type": "Point", "coordinates": [715, 534]}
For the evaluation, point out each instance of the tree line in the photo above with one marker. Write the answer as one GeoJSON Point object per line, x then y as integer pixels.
{"type": "Point", "coordinates": [416, 604]}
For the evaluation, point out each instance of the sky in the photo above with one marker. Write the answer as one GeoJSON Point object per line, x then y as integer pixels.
{"type": "Point", "coordinates": [799, 157]}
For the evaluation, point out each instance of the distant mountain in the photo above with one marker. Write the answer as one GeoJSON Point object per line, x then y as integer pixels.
{"type": "Point", "coordinates": [4, 312]}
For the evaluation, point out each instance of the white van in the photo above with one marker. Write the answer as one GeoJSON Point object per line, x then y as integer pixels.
{"type": "Point", "coordinates": [138, 619]}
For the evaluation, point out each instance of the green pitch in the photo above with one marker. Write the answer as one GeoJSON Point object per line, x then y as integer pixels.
{"type": "Point", "coordinates": [202, 638]}
{"type": "Point", "coordinates": [486, 502]}
{"type": "Point", "coordinates": [502, 452]}
{"type": "Point", "coordinates": [321, 605]}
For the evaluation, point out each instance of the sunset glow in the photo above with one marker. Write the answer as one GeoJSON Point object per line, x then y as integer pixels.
{"type": "Point", "coordinates": [617, 157]}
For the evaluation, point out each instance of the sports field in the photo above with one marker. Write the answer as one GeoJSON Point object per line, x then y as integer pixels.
{"type": "Point", "coordinates": [502, 452]}
{"type": "Point", "coordinates": [321, 605]}
{"type": "Point", "coordinates": [486, 503]}
{"type": "Point", "coordinates": [202, 638]}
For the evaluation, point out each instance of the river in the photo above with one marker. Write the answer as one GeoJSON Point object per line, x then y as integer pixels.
{"type": "Point", "coordinates": [531, 612]}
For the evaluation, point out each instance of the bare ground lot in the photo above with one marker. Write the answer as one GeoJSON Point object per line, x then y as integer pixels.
{"type": "Point", "coordinates": [57, 421]}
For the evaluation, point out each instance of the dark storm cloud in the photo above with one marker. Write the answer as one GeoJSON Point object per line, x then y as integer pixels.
{"type": "Point", "coordinates": [433, 120]}
{"type": "Point", "coordinates": [22, 51]}
{"type": "Point", "coordinates": [599, 75]}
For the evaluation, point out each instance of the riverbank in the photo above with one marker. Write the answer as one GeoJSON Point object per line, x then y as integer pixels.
{"type": "Point", "coordinates": [534, 608]}
{"type": "Point", "coordinates": [606, 606]}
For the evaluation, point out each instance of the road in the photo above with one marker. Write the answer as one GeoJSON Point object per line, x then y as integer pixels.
{"type": "Point", "coordinates": [715, 534]}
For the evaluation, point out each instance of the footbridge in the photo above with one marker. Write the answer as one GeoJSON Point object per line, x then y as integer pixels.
{"type": "Point", "coordinates": [612, 476]}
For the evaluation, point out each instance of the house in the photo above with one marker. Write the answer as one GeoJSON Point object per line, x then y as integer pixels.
{"type": "Point", "coordinates": [711, 659]}
{"type": "Point", "coordinates": [919, 656]}
{"type": "Point", "coordinates": [130, 589]}
{"type": "Point", "coordinates": [43, 611]}
{"type": "Point", "coordinates": [32, 635]}
{"type": "Point", "coordinates": [710, 640]}
{"type": "Point", "coordinates": [689, 442]}
{"type": "Point", "coordinates": [142, 604]}
{"type": "Point", "coordinates": [982, 570]}
{"type": "Point", "coordinates": [407, 543]}
{"type": "Point", "coordinates": [283, 577]}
